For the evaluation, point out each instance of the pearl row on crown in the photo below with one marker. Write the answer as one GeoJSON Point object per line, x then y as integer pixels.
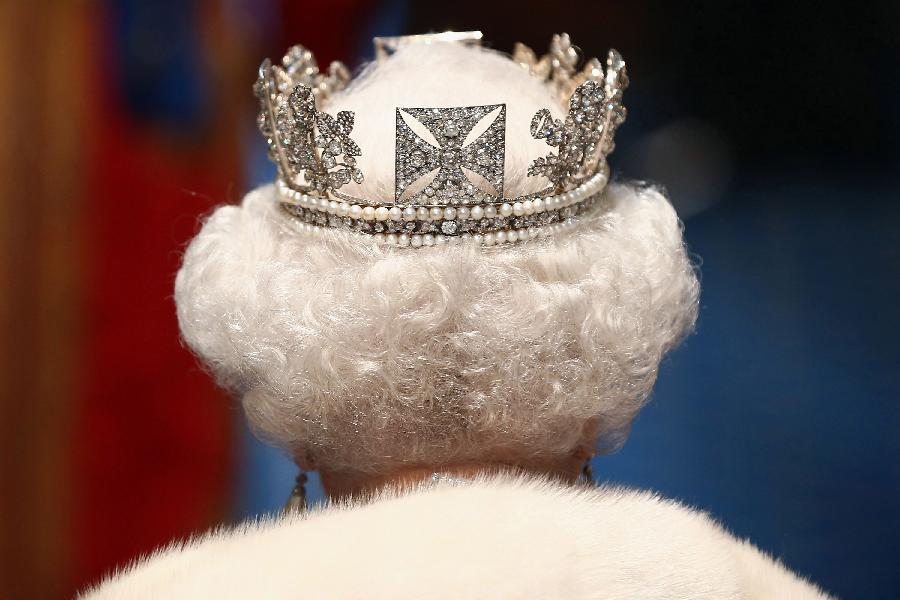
{"type": "Point", "coordinates": [416, 240]}
{"type": "Point", "coordinates": [518, 208]}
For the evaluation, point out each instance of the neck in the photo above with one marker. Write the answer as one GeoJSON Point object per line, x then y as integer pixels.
{"type": "Point", "coordinates": [341, 485]}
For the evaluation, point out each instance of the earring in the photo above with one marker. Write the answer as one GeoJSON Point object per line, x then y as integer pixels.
{"type": "Point", "coordinates": [297, 501]}
{"type": "Point", "coordinates": [587, 472]}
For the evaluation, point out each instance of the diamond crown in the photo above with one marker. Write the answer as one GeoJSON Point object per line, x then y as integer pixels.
{"type": "Point", "coordinates": [416, 157]}
{"type": "Point", "coordinates": [440, 165]}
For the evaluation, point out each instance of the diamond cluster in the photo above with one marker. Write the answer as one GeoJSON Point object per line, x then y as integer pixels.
{"type": "Point", "coordinates": [586, 136]}
{"type": "Point", "coordinates": [526, 213]}
{"type": "Point", "coordinates": [449, 162]}
{"type": "Point", "coordinates": [311, 148]}
{"type": "Point", "coordinates": [451, 156]}
{"type": "Point", "coordinates": [491, 225]}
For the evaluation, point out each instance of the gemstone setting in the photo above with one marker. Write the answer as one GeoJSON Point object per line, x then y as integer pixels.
{"type": "Point", "coordinates": [416, 157]}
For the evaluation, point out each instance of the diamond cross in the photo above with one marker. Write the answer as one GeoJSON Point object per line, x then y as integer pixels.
{"type": "Point", "coordinates": [416, 157]}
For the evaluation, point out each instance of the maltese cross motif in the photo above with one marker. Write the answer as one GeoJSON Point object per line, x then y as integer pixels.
{"type": "Point", "coordinates": [451, 153]}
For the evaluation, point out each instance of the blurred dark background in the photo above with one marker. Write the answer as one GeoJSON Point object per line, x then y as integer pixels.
{"type": "Point", "coordinates": [774, 126]}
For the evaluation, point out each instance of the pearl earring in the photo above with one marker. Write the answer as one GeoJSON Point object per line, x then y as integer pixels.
{"type": "Point", "coordinates": [587, 472]}
{"type": "Point", "coordinates": [297, 501]}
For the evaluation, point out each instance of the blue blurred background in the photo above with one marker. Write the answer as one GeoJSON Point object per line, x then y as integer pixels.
{"type": "Point", "coordinates": [775, 128]}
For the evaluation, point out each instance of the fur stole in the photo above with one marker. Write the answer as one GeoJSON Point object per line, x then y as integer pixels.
{"type": "Point", "coordinates": [498, 537]}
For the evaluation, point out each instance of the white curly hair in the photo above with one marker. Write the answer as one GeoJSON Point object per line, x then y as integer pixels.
{"type": "Point", "coordinates": [366, 357]}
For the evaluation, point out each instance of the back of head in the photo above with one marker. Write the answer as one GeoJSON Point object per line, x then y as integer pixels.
{"type": "Point", "coordinates": [364, 357]}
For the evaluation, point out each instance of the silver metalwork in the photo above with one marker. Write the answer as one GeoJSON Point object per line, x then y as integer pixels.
{"type": "Point", "coordinates": [316, 155]}
{"type": "Point", "coordinates": [312, 149]}
{"type": "Point", "coordinates": [585, 137]}
{"type": "Point", "coordinates": [449, 155]}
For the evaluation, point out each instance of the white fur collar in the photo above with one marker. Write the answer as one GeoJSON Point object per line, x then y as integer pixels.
{"type": "Point", "coordinates": [494, 538]}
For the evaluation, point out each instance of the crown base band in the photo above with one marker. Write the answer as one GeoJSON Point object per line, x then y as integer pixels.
{"type": "Point", "coordinates": [487, 230]}
{"type": "Point", "coordinates": [417, 240]}
{"type": "Point", "coordinates": [383, 211]}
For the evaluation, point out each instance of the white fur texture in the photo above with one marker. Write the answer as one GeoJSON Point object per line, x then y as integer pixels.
{"type": "Point", "coordinates": [500, 538]}
{"type": "Point", "coordinates": [365, 357]}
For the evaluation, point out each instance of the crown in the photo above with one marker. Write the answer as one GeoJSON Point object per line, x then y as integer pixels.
{"type": "Point", "coordinates": [436, 200]}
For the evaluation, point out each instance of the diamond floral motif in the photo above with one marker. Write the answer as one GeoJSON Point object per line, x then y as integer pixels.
{"type": "Point", "coordinates": [316, 155]}
{"type": "Point", "coordinates": [416, 157]}
{"type": "Point", "coordinates": [576, 138]}
{"type": "Point", "coordinates": [304, 142]}
{"type": "Point", "coordinates": [595, 111]}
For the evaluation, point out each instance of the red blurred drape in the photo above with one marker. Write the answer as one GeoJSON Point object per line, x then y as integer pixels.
{"type": "Point", "coordinates": [152, 439]}
{"type": "Point", "coordinates": [152, 454]}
